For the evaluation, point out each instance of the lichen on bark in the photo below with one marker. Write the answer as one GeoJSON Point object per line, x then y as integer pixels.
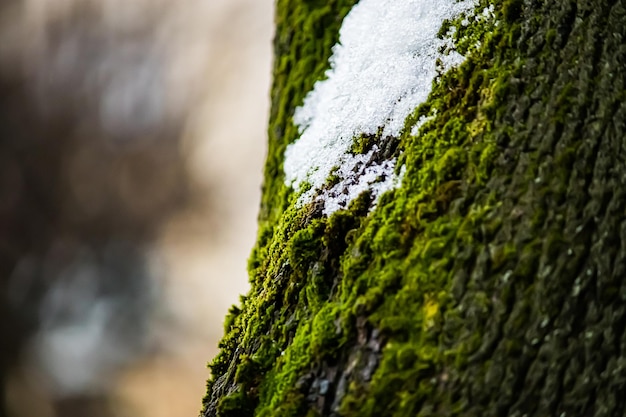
{"type": "Point", "coordinates": [491, 281]}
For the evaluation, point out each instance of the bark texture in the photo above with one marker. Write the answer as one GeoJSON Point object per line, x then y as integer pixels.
{"type": "Point", "coordinates": [492, 281]}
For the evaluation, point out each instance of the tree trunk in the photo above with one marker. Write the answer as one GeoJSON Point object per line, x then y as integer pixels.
{"type": "Point", "coordinates": [487, 279]}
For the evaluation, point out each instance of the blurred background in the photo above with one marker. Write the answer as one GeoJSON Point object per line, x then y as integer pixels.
{"type": "Point", "coordinates": [132, 138]}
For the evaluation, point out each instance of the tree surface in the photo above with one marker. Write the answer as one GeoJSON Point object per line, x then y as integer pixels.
{"type": "Point", "coordinates": [489, 281]}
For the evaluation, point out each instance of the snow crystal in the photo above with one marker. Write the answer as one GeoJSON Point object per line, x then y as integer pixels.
{"type": "Point", "coordinates": [380, 71]}
{"type": "Point", "coordinates": [358, 176]}
{"type": "Point", "coordinates": [420, 122]}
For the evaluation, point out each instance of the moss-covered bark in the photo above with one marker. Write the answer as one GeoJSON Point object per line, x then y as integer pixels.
{"type": "Point", "coordinates": [492, 281]}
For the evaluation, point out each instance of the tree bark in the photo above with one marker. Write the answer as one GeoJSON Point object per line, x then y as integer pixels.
{"type": "Point", "coordinates": [491, 281]}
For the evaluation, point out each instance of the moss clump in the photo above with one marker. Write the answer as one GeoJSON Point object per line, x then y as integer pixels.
{"type": "Point", "coordinates": [364, 143]}
{"type": "Point", "coordinates": [490, 282]}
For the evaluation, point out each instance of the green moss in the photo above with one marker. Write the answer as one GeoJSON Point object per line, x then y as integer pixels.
{"type": "Point", "coordinates": [363, 143]}
{"type": "Point", "coordinates": [333, 178]}
{"type": "Point", "coordinates": [236, 404]}
{"type": "Point", "coordinates": [450, 276]}
{"type": "Point", "coordinates": [326, 332]}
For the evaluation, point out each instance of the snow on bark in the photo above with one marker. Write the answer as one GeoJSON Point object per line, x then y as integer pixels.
{"type": "Point", "coordinates": [380, 71]}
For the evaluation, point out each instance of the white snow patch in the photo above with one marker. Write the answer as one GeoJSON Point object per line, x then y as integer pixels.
{"type": "Point", "coordinates": [420, 122]}
{"type": "Point", "coordinates": [359, 176]}
{"type": "Point", "coordinates": [380, 71]}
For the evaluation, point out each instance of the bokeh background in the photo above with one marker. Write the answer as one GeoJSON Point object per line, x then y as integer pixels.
{"type": "Point", "coordinates": [132, 139]}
